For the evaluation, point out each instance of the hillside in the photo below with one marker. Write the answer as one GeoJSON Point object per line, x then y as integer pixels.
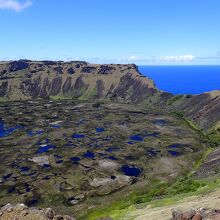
{"type": "Point", "coordinates": [202, 109]}
{"type": "Point", "coordinates": [100, 138]}
{"type": "Point", "coordinates": [22, 80]}
{"type": "Point", "coordinates": [26, 80]}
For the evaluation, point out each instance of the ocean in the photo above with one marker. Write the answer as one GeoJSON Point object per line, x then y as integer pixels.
{"type": "Point", "coordinates": [184, 79]}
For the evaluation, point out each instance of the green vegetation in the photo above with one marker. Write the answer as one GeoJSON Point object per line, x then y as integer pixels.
{"type": "Point", "coordinates": [162, 194]}
{"type": "Point", "coordinates": [205, 186]}
{"type": "Point", "coordinates": [59, 97]}
{"type": "Point", "coordinates": [174, 99]}
{"type": "Point", "coordinates": [184, 185]}
{"type": "Point", "coordinates": [3, 99]}
{"type": "Point", "coordinates": [199, 161]}
{"type": "Point", "coordinates": [214, 138]}
{"type": "Point", "coordinates": [157, 192]}
{"type": "Point", "coordinates": [89, 94]}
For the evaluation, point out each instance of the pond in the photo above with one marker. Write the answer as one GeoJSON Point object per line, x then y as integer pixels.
{"type": "Point", "coordinates": [174, 153]}
{"type": "Point", "coordinates": [136, 137]}
{"type": "Point", "coordinates": [78, 136]}
{"type": "Point", "coordinates": [89, 154]}
{"type": "Point", "coordinates": [6, 132]}
{"type": "Point", "coordinates": [130, 170]}
{"type": "Point", "coordinates": [99, 130]}
{"type": "Point", "coordinates": [45, 149]}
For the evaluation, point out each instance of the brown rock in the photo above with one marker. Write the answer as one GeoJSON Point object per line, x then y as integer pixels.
{"type": "Point", "coordinates": [24, 213]}
{"type": "Point", "coordinates": [49, 213]}
{"type": "Point", "coordinates": [10, 209]}
{"type": "Point", "coordinates": [20, 207]}
{"type": "Point", "coordinates": [177, 215]}
{"type": "Point", "coordinates": [4, 208]}
{"type": "Point", "coordinates": [188, 214]}
{"type": "Point", "coordinates": [197, 216]}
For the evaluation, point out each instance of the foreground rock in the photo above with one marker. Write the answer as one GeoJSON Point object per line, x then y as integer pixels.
{"type": "Point", "coordinates": [200, 214]}
{"type": "Point", "coordinates": [22, 212]}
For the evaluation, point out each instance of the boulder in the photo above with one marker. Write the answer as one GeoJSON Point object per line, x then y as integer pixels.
{"type": "Point", "coordinates": [49, 213]}
{"type": "Point", "coordinates": [108, 165]}
{"type": "Point", "coordinates": [41, 160]}
{"type": "Point", "coordinates": [188, 214]}
{"type": "Point", "coordinates": [197, 216]}
{"type": "Point", "coordinates": [177, 215]}
{"type": "Point", "coordinates": [21, 211]}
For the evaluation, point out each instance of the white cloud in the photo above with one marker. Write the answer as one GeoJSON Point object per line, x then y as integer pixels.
{"type": "Point", "coordinates": [157, 59]}
{"type": "Point", "coordinates": [131, 58]}
{"type": "Point", "coordinates": [15, 5]}
{"type": "Point", "coordinates": [184, 58]}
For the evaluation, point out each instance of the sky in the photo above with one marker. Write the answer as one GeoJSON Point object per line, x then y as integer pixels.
{"type": "Point", "coordinates": [151, 32]}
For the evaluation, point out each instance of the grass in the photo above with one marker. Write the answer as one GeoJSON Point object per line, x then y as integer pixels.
{"type": "Point", "coordinates": [57, 97]}
{"type": "Point", "coordinates": [88, 94]}
{"type": "Point", "coordinates": [194, 127]}
{"type": "Point", "coordinates": [205, 186]}
{"type": "Point", "coordinates": [214, 138]}
{"type": "Point", "coordinates": [156, 191]}
{"type": "Point", "coordinates": [174, 99]}
{"type": "Point", "coordinates": [160, 194]}
{"type": "Point", "coordinates": [199, 161]}
{"type": "Point", "coordinates": [3, 99]}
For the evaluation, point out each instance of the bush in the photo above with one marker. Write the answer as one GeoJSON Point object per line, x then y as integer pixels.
{"type": "Point", "coordinates": [214, 139]}
{"type": "Point", "coordinates": [184, 185]}
{"type": "Point", "coordinates": [174, 99]}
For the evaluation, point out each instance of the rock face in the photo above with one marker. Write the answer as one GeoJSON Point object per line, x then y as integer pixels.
{"type": "Point", "coordinates": [200, 214]}
{"type": "Point", "coordinates": [25, 79]}
{"type": "Point", "coordinates": [22, 212]}
{"type": "Point", "coordinates": [210, 167]}
{"type": "Point", "coordinates": [21, 80]}
{"type": "Point", "coordinates": [203, 109]}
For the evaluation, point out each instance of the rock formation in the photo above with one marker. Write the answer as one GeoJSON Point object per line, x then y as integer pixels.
{"type": "Point", "coordinates": [22, 212]}
{"type": "Point", "coordinates": [21, 80]}
{"type": "Point", "coordinates": [25, 79]}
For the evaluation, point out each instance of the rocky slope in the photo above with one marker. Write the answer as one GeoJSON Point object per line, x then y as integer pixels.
{"type": "Point", "coordinates": [199, 207]}
{"type": "Point", "coordinates": [21, 80]}
{"type": "Point", "coordinates": [203, 109]}
{"type": "Point", "coordinates": [24, 79]}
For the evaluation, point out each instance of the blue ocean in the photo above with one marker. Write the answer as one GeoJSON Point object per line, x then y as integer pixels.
{"type": "Point", "coordinates": [184, 79]}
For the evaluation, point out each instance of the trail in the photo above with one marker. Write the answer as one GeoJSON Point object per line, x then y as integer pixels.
{"type": "Point", "coordinates": [208, 201]}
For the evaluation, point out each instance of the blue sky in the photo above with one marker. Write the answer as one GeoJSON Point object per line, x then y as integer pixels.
{"type": "Point", "coordinates": [117, 31]}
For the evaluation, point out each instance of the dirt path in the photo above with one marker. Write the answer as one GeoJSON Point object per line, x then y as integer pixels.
{"type": "Point", "coordinates": [208, 201]}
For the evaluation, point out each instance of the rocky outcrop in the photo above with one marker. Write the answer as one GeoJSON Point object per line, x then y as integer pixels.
{"type": "Point", "coordinates": [22, 212]}
{"type": "Point", "coordinates": [200, 214]}
{"type": "Point", "coordinates": [211, 165]}
{"type": "Point", "coordinates": [203, 109]}
{"type": "Point", "coordinates": [24, 79]}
